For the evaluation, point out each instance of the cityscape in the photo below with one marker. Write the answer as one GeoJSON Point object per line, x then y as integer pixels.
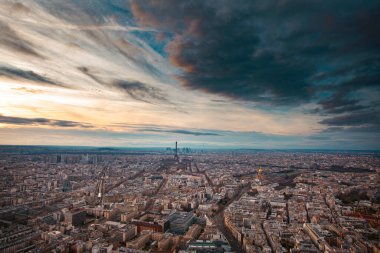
{"type": "Point", "coordinates": [184, 200]}
{"type": "Point", "coordinates": [189, 126]}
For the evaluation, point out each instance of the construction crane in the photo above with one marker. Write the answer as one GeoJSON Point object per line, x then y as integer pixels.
{"type": "Point", "coordinates": [101, 186]}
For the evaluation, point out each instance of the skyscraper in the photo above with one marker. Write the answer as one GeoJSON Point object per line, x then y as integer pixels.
{"type": "Point", "coordinates": [176, 152]}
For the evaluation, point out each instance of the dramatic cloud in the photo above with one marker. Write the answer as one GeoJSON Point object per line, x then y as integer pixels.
{"type": "Point", "coordinates": [225, 73]}
{"type": "Point", "coordinates": [274, 52]}
{"type": "Point", "coordinates": [218, 48]}
{"type": "Point", "coordinates": [261, 50]}
{"type": "Point", "coordinates": [41, 121]}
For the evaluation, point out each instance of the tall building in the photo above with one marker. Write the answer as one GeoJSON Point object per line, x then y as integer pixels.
{"type": "Point", "coordinates": [176, 152]}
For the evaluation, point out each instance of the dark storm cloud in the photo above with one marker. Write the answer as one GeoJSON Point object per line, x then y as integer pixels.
{"type": "Point", "coordinates": [217, 45]}
{"type": "Point", "coordinates": [179, 131]}
{"type": "Point", "coordinates": [276, 52]}
{"type": "Point", "coordinates": [16, 73]}
{"type": "Point", "coordinates": [139, 91]}
{"type": "Point", "coordinates": [363, 74]}
{"type": "Point", "coordinates": [354, 119]}
{"type": "Point", "coordinates": [339, 104]}
{"type": "Point", "coordinates": [11, 40]}
{"type": "Point", "coordinates": [262, 50]}
{"type": "Point", "coordinates": [41, 121]}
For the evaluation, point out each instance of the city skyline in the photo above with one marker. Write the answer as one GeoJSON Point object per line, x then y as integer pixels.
{"type": "Point", "coordinates": [208, 74]}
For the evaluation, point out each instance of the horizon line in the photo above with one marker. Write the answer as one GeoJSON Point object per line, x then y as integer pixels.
{"type": "Point", "coordinates": [197, 148]}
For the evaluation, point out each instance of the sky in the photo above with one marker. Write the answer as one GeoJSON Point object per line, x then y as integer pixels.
{"type": "Point", "coordinates": [283, 74]}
